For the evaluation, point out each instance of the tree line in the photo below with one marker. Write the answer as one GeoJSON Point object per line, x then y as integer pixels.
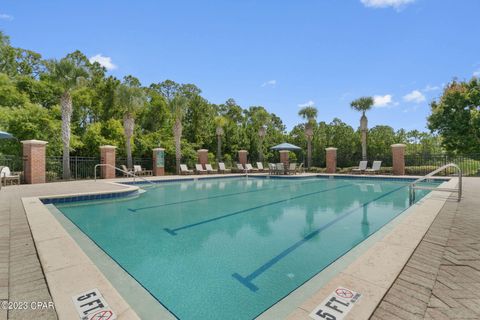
{"type": "Point", "coordinates": [77, 107]}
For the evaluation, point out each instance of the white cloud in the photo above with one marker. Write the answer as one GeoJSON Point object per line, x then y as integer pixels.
{"type": "Point", "coordinates": [271, 83]}
{"type": "Point", "coordinates": [429, 88]}
{"type": "Point", "coordinates": [397, 4]}
{"type": "Point", "coordinates": [4, 16]}
{"type": "Point", "coordinates": [476, 73]}
{"type": "Point", "coordinates": [414, 96]}
{"type": "Point", "coordinates": [104, 61]}
{"type": "Point", "coordinates": [309, 103]}
{"type": "Point", "coordinates": [383, 101]}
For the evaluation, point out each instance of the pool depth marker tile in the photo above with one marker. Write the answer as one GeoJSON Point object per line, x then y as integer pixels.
{"type": "Point", "coordinates": [173, 232]}
{"type": "Point", "coordinates": [247, 281]}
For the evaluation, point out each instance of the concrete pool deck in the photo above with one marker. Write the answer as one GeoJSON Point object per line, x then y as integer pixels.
{"type": "Point", "coordinates": [21, 275]}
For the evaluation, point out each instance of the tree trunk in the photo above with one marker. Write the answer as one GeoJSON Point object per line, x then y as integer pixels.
{"type": "Point", "coordinates": [364, 129]}
{"type": "Point", "coordinates": [219, 148]}
{"type": "Point", "coordinates": [66, 105]}
{"type": "Point", "coordinates": [309, 151]}
{"type": "Point", "coordinates": [177, 132]}
{"type": "Point", "coordinates": [128, 127]}
{"type": "Point", "coordinates": [260, 149]}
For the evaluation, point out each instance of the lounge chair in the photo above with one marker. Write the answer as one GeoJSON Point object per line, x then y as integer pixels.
{"type": "Point", "coordinates": [209, 168]}
{"type": "Point", "coordinates": [222, 169]}
{"type": "Point", "coordinates": [292, 169]}
{"type": "Point", "coordinates": [375, 167]}
{"type": "Point", "coordinates": [184, 169]}
{"type": "Point", "coordinates": [272, 168]}
{"type": "Point", "coordinates": [240, 167]}
{"type": "Point", "coordinates": [260, 166]}
{"type": "Point", "coordinates": [280, 168]}
{"type": "Point", "coordinates": [137, 169]}
{"type": "Point", "coordinates": [300, 168]}
{"type": "Point", "coordinates": [249, 167]}
{"type": "Point", "coordinates": [6, 176]}
{"type": "Point", "coordinates": [362, 166]}
{"type": "Point", "coordinates": [199, 169]}
{"type": "Point", "coordinates": [126, 171]}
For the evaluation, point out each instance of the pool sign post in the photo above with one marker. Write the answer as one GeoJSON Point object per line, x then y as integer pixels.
{"type": "Point", "coordinates": [336, 306]}
{"type": "Point", "coordinates": [91, 305]}
{"type": "Point", "coordinates": [158, 162]}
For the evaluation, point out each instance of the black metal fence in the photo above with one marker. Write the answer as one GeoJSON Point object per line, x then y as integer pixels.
{"type": "Point", "coordinates": [422, 164]}
{"type": "Point", "coordinates": [80, 168]}
{"type": "Point", "coordinates": [15, 163]}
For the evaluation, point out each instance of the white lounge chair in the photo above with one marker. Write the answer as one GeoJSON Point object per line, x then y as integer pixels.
{"type": "Point", "coordinates": [260, 166]}
{"type": "Point", "coordinates": [292, 169]}
{"type": "Point", "coordinates": [280, 169]}
{"type": "Point", "coordinates": [199, 169]}
{"type": "Point", "coordinates": [272, 168]}
{"type": "Point", "coordinates": [362, 166]}
{"type": "Point", "coordinates": [300, 168]}
{"type": "Point", "coordinates": [126, 171]}
{"type": "Point", "coordinates": [209, 168]}
{"type": "Point", "coordinates": [184, 169]}
{"type": "Point", "coordinates": [240, 167]}
{"type": "Point", "coordinates": [137, 169]}
{"type": "Point", "coordinates": [6, 176]}
{"type": "Point", "coordinates": [375, 167]}
{"type": "Point", "coordinates": [249, 167]}
{"type": "Point", "coordinates": [222, 169]}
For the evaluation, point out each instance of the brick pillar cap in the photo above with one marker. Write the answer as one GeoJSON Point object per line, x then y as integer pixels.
{"type": "Point", "coordinates": [283, 151]}
{"type": "Point", "coordinates": [34, 142]}
{"type": "Point", "coordinates": [331, 148]}
{"type": "Point", "coordinates": [108, 147]}
{"type": "Point", "coordinates": [158, 149]}
{"type": "Point", "coordinates": [242, 151]}
{"type": "Point", "coordinates": [398, 145]}
{"type": "Point", "coordinates": [202, 150]}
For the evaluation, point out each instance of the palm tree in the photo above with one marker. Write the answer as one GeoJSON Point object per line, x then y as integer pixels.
{"type": "Point", "coordinates": [309, 114]}
{"type": "Point", "coordinates": [363, 104]}
{"type": "Point", "coordinates": [261, 118]}
{"type": "Point", "coordinates": [178, 106]}
{"type": "Point", "coordinates": [68, 76]}
{"type": "Point", "coordinates": [220, 123]}
{"type": "Point", "coordinates": [130, 100]}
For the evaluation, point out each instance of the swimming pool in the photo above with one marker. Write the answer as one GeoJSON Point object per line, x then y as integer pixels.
{"type": "Point", "coordinates": [231, 248]}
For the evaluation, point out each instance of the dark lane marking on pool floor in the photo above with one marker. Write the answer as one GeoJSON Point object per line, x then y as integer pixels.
{"type": "Point", "coordinates": [173, 232]}
{"type": "Point", "coordinates": [247, 281]}
{"type": "Point", "coordinates": [221, 196]}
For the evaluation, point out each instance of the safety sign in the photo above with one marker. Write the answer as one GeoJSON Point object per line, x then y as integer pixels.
{"type": "Point", "coordinates": [91, 305]}
{"type": "Point", "coordinates": [336, 306]}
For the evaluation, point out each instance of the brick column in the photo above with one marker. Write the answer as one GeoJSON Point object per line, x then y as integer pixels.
{"type": "Point", "coordinates": [158, 162]}
{"type": "Point", "coordinates": [284, 155]}
{"type": "Point", "coordinates": [202, 156]}
{"type": "Point", "coordinates": [398, 159]}
{"type": "Point", "coordinates": [34, 164]}
{"type": "Point", "coordinates": [242, 157]}
{"type": "Point", "coordinates": [331, 160]}
{"type": "Point", "coordinates": [107, 156]}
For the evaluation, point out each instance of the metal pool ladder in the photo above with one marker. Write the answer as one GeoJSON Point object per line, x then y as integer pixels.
{"type": "Point", "coordinates": [413, 186]}
{"type": "Point", "coordinates": [121, 170]}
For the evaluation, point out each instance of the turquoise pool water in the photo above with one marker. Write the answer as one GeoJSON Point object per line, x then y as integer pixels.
{"type": "Point", "coordinates": [231, 248]}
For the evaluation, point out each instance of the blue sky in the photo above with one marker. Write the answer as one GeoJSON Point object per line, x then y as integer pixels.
{"type": "Point", "coordinates": [278, 54]}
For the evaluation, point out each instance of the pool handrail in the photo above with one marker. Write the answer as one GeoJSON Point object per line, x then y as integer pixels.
{"type": "Point", "coordinates": [413, 186]}
{"type": "Point", "coordinates": [128, 173]}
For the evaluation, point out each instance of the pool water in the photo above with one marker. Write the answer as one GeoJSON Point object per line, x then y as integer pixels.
{"type": "Point", "coordinates": [231, 248]}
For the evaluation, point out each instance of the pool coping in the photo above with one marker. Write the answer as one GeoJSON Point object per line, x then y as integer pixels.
{"type": "Point", "coordinates": [66, 264]}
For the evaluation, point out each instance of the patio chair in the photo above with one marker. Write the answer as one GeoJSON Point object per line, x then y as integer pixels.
{"type": "Point", "coordinates": [362, 166]}
{"type": "Point", "coordinates": [125, 169]}
{"type": "Point", "coordinates": [184, 169]}
{"type": "Point", "coordinates": [6, 176]}
{"type": "Point", "coordinates": [250, 168]}
{"type": "Point", "coordinates": [260, 166]}
{"type": "Point", "coordinates": [292, 169]}
{"type": "Point", "coordinates": [300, 168]}
{"type": "Point", "coordinates": [280, 168]}
{"type": "Point", "coordinates": [209, 168]}
{"type": "Point", "coordinates": [272, 169]}
{"type": "Point", "coordinates": [375, 167]}
{"type": "Point", "coordinates": [199, 169]}
{"type": "Point", "coordinates": [222, 169]}
{"type": "Point", "coordinates": [240, 167]}
{"type": "Point", "coordinates": [137, 170]}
